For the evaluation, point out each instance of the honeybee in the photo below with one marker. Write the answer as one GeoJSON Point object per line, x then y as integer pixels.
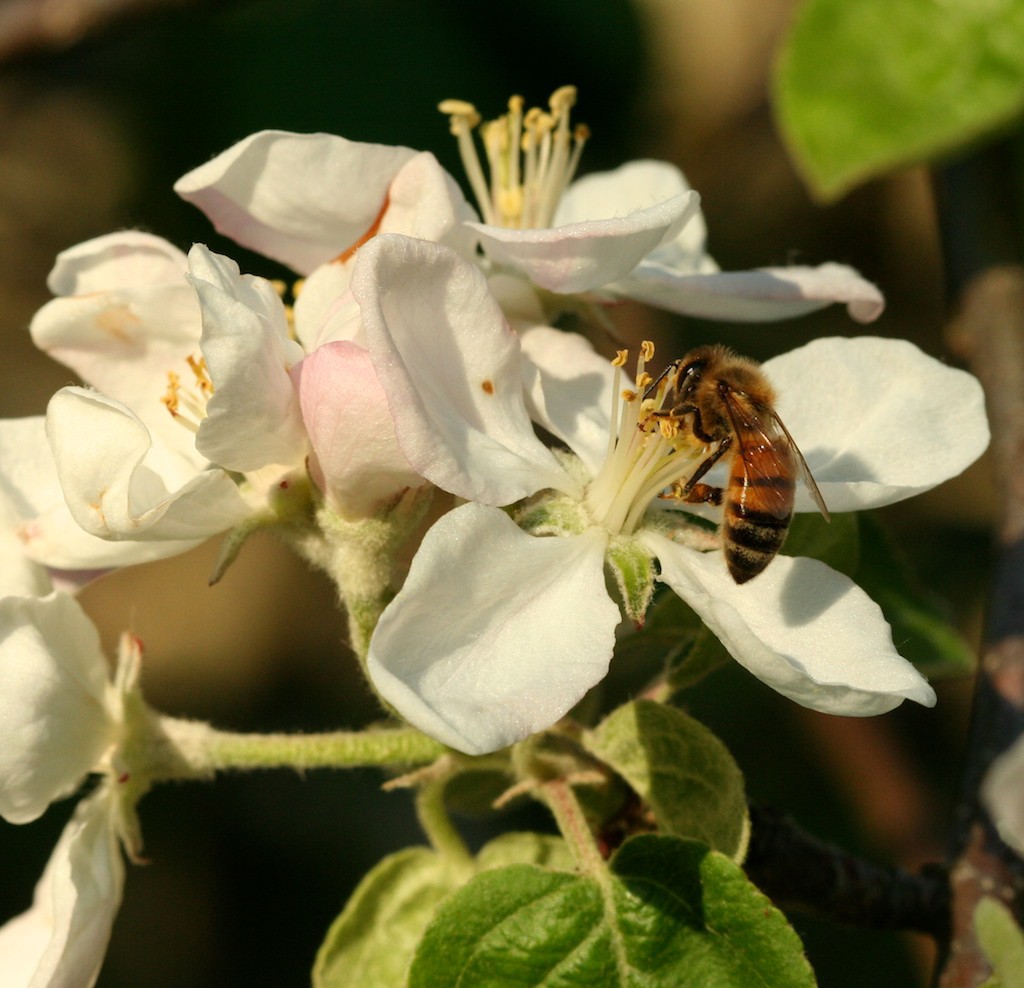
{"type": "Point", "coordinates": [728, 404]}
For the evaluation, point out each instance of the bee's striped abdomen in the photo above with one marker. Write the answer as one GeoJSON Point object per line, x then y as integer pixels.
{"type": "Point", "coordinates": [758, 510]}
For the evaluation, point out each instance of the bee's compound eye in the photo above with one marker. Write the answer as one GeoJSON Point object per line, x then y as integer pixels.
{"type": "Point", "coordinates": [689, 374]}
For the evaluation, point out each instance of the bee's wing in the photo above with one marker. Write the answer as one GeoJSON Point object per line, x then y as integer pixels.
{"type": "Point", "coordinates": [754, 422]}
{"type": "Point", "coordinates": [801, 463]}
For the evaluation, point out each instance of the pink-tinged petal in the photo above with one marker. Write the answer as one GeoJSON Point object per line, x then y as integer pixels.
{"type": "Point", "coordinates": [495, 634]}
{"type": "Point", "coordinates": [119, 485]}
{"type": "Point", "coordinates": [117, 260]}
{"type": "Point", "coordinates": [588, 254]}
{"type": "Point", "coordinates": [569, 391]}
{"type": "Point", "coordinates": [60, 942]}
{"type": "Point", "coordinates": [876, 419]}
{"type": "Point", "coordinates": [356, 459]}
{"type": "Point", "coordinates": [54, 721]}
{"type": "Point", "coordinates": [761, 295]}
{"type": "Point", "coordinates": [801, 627]}
{"type": "Point", "coordinates": [451, 368]}
{"type": "Point", "coordinates": [42, 542]}
{"type": "Point", "coordinates": [301, 199]}
{"type": "Point", "coordinates": [253, 417]}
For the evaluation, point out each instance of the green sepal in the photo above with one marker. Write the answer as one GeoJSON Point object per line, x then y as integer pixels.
{"type": "Point", "coordinates": [632, 565]}
{"type": "Point", "coordinates": [680, 769]}
{"type": "Point", "coordinates": [1002, 941]}
{"type": "Point", "coordinates": [664, 912]}
{"type": "Point", "coordinates": [372, 942]}
{"type": "Point", "coordinates": [291, 508]}
{"type": "Point", "coordinates": [864, 88]}
{"type": "Point", "coordinates": [551, 513]}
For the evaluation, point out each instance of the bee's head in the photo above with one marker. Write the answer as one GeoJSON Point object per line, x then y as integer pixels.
{"type": "Point", "coordinates": [689, 375]}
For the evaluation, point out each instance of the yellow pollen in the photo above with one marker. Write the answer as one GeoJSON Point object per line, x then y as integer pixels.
{"type": "Point", "coordinates": [531, 157]}
{"type": "Point", "coordinates": [628, 395]}
{"type": "Point", "coordinates": [621, 356]}
{"type": "Point", "coordinates": [188, 404]}
{"type": "Point", "coordinates": [170, 399]}
{"type": "Point", "coordinates": [647, 349]}
{"type": "Point", "coordinates": [198, 368]}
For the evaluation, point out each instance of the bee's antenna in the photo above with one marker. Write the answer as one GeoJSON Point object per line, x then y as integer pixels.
{"type": "Point", "coordinates": [668, 370]}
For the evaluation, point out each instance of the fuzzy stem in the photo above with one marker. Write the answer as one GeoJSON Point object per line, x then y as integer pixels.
{"type": "Point", "coordinates": [437, 824]}
{"type": "Point", "coordinates": [190, 749]}
{"type": "Point", "coordinates": [572, 823]}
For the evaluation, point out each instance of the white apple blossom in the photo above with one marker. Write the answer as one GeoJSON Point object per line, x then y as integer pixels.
{"type": "Point", "coordinates": [498, 632]}
{"type": "Point", "coordinates": [635, 233]}
{"type": "Point", "coordinates": [310, 200]}
{"type": "Point", "coordinates": [62, 718]}
{"type": "Point", "coordinates": [195, 424]}
{"type": "Point", "coordinates": [41, 546]}
{"type": "Point", "coordinates": [127, 322]}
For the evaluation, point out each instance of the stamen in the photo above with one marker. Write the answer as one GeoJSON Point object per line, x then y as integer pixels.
{"type": "Point", "coordinates": [188, 404]}
{"type": "Point", "coordinates": [532, 158]}
{"type": "Point", "coordinates": [463, 118]}
{"type": "Point", "coordinates": [649, 450]}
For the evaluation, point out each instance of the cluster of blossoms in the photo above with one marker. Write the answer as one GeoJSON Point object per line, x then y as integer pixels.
{"type": "Point", "coordinates": [419, 353]}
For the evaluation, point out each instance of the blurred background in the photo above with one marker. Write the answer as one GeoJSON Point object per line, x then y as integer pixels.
{"type": "Point", "coordinates": [103, 106]}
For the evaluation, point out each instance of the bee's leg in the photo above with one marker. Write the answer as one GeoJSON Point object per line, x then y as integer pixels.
{"type": "Point", "coordinates": [694, 492]}
{"type": "Point", "coordinates": [705, 437]}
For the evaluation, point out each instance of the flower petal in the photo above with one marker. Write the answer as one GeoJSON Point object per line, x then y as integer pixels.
{"type": "Point", "coordinates": [451, 368]}
{"type": "Point", "coordinates": [591, 253]}
{"type": "Point", "coordinates": [116, 260]}
{"type": "Point", "coordinates": [761, 295]}
{"type": "Point", "coordinates": [129, 319]}
{"type": "Point", "coordinates": [325, 310]}
{"type": "Point", "coordinates": [36, 525]}
{"type": "Point", "coordinates": [299, 198]}
{"type": "Point", "coordinates": [120, 485]}
{"type": "Point", "coordinates": [425, 202]}
{"type": "Point", "coordinates": [60, 942]}
{"type": "Point", "coordinates": [569, 391]}
{"type": "Point", "coordinates": [801, 627]}
{"type": "Point", "coordinates": [253, 418]}
{"type": "Point", "coordinates": [54, 721]}
{"type": "Point", "coordinates": [495, 634]}
{"type": "Point", "coordinates": [357, 461]}
{"type": "Point", "coordinates": [876, 419]}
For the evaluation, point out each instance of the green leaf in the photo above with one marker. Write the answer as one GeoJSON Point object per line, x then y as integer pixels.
{"type": "Point", "coordinates": [865, 87]}
{"type": "Point", "coordinates": [1003, 942]}
{"type": "Point", "coordinates": [544, 850]}
{"type": "Point", "coordinates": [371, 944]}
{"type": "Point", "coordinates": [667, 912]}
{"type": "Point", "coordinates": [920, 630]}
{"type": "Point", "coordinates": [680, 769]}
